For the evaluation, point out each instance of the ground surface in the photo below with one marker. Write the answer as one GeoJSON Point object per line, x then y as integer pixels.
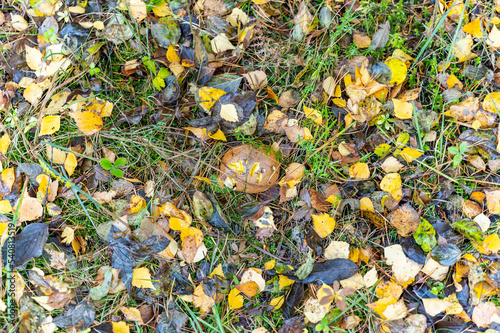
{"type": "Point", "coordinates": [250, 166]}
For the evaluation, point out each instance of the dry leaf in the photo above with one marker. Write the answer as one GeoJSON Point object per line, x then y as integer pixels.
{"type": "Point", "coordinates": [362, 41]}
{"type": "Point", "coordinates": [87, 121]}
{"type": "Point", "coordinates": [221, 44]}
{"type": "Point", "coordinates": [405, 219]}
{"type": "Point", "coordinates": [256, 79]}
{"type": "Point", "coordinates": [337, 250]}
{"type": "Point", "coordinates": [391, 164]}
{"type": "Point", "coordinates": [434, 306]}
{"type": "Point", "coordinates": [404, 269]}
{"type": "Point", "coordinates": [142, 278]}
{"type": "Point", "coordinates": [29, 210]}
{"type": "Point", "coordinates": [493, 201]}
{"type": "Point", "coordinates": [132, 314]}
{"type": "Point", "coordinates": [138, 9]}
{"type": "Point", "coordinates": [323, 224]}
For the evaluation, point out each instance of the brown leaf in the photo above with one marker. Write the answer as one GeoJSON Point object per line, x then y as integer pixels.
{"type": "Point", "coordinates": [405, 219]}
{"type": "Point", "coordinates": [289, 99]}
{"type": "Point", "coordinates": [318, 201]}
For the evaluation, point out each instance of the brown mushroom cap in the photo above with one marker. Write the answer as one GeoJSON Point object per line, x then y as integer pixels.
{"type": "Point", "coordinates": [255, 170]}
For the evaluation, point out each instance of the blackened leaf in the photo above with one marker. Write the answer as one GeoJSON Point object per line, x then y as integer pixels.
{"type": "Point", "coordinates": [314, 242]}
{"type": "Point", "coordinates": [205, 75]}
{"type": "Point", "coordinates": [127, 251]}
{"type": "Point", "coordinates": [330, 271]}
{"type": "Point", "coordinates": [171, 321]}
{"type": "Point", "coordinates": [293, 325]}
{"type": "Point", "coordinates": [413, 251]}
{"type": "Point", "coordinates": [227, 82]}
{"type": "Point", "coordinates": [455, 326]}
{"type": "Point", "coordinates": [28, 244]}
{"type": "Point", "coordinates": [77, 318]}
{"type": "Point", "coordinates": [31, 170]}
{"type": "Point", "coordinates": [245, 103]}
{"type": "Point", "coordinates": [75, 31]}
{"type": "Point", "coordinates": [446, 254]}
{"type": "Point", "coordinates": [470, 229]}
{"type": "Point", "coordinates": [168, 278]}
{"type": "Point", "coordinates": [170, 93]}
{"type": "Point", "coordinates": [381, 37]}
{"type": "Point", "coordinates": [293, 300]}
{"type": "Point", "coordinates": [217, 220]}
{"type": "Point", "coordinates": [132, 116]}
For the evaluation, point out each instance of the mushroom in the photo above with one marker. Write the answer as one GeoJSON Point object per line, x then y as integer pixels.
{"type": "Point", "coordinates": [249, 169]}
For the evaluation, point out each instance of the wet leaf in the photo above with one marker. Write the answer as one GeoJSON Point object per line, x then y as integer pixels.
{"type": "Point", "coordinates": [78, 317]}
{"type": "Point", "coordinates": [425, 235]}
{"type": "Point", "coordinates": [330, 271]}
{"type": "Point", "coordinates": [293, 300]}
{"type": "Point", "coordinates": [469, 229]}
{"type": "Point", "coordinates": [28, 244]}
{"type": "Point", "coordinates": [446, 254]}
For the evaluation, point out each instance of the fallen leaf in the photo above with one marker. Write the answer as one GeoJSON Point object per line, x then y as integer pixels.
{"type": "Point", "coordinates": [70, 163]}
{"type": "Point", "coordinates": [323, 224]}
{"type": "Point", "coordinates": [4, 143]}
{"type": "Point", "coordinates": [313, 114]}
{"type": "Point", "coordinates": [403, 269]}
{"type": "Point", "coordinates": [392, 183]}
{"type": "Point", "coordinates": [402, 109]}
{"type": "Point", "coordinates": [434, 306]}
{"type": "Point", "coordinates": [221, 44]}
{"type": "Point", "coordinates": [234, 299]}
{"type": "Point", "coordinates": [362, 41]}
{"type": "Point", "coordinates": [391, 165]}
{"type": "Point", "coordinates": [50, 125]}
{"type": "Point", "coordinates": [359, 171]}
{"type": "Point", "coordinates": [405, 219]}
{"type": "Point", "coordinates": [142, 278]}
{"type": "Point", "coordinates": [132, 314]}
{"type": "Point", "coordinates": [137, 9]}
{"type": "Point", "coordinates": [336, 250]}
{"type": "Point", "coordinates": [493, 201]}
{"type": "Point", "coordinates": [493, 39]}
{"type": "Point", "coordinates": [256, 79]}
{"type": "Point", "coordinates": [314, 311]}
{"type": "Point", "coordinates": [88, 122]}
{"type": "Point", "coordinates": [483, 314]}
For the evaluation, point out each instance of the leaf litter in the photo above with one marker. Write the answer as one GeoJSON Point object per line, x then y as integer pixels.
{"type": "Point", "coordinates": [207, 163]}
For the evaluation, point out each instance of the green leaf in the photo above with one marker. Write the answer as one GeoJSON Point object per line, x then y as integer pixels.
{"type": "Point", "coordinates": [305, 269]}
{"type": "Point", "coordinates": [469, 229]}
{"type": "Point", "coordinates": [425, 236]}
{"type": "Point", "coordinates": [402, 139]}
{"type": "Point", "coordinates": [453, 150]}
{"type": "Point", "coordinates": [149, 64]}
{"type": "Point", "coordinates": [163, 73]}
{"type": "Point", "coordinates": [120, 162]}
{"type": "Point", "coordinates": [106, 164]}
{"type": "Point", "coordinates": [117, 172]}
{"type": "Point", "coordinates": [382, 149]}
{"type": "Point", "coordinates": [463, 147]}
{"type": "Point", "coordinates": [456, 160]}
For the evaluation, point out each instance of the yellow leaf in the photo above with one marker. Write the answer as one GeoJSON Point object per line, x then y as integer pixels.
{"type": "Point", "coordinates": [463, 49]}
{"type": "Point", "coordinates": [132, 314]}
{"type": "Point", "coordinates": [454, 81]}
{"type": "Point", "coordinates": [161, 10]}
{"type": "Point", "coordinates": [33, 58]}
{"type": "Point", "coordinates": [70, 163]}
{"type": "Point", "coordinates": [456, 8]}
{"type": "Point", "coordinates": [323, 224]}
{"type": "Point", "coordinates": [277, 302]}
{"type": "Point", "coordinates": [235, 299]}
{"type": "Point", "coordinates": [474, 28]}
{"type": "Point", "coordinates": [392, 183]}
{"type": "Point", "coordinates": [410, 154]}
{"type": "Point", "coordinates": [269, 265]}
{"type": "Point", "coordinates": [402, 109]}
{"type": "Point", "coordinates": [120, 327]}
{"type": "Point", "coordinates": [5, 207]}
{"type": "Point", "coordinates": [381, 305]}
{"type": "Point", "coordinates": [88, 122]}
{"type": "Point", "coordinates": [398, 70]}
{"type": "Point", "coordinates": [219, 135]}
{"type": "Point", "coordinates": [4, 143]}
{"type": "Point", "coordinates": [490, 245]}
{"type": "Point", "coordinates": [55, 155]}
{"type": "Point", "coordinates": [68, 235]}
{"type": "Point", "coordinates": [359, 171]}
{"type": "Point", "coordinates": [178, 224]}
{"type": "Point", "coordinates": [136, 204]}
{"type": "Point", "coordinates": [208, 96]}
{"type": "Point", "coordinates": [284, 282]}
{"type": "Point", "coordinates": [218, 271]}
{"type": "Point", "coordinates": [50, 125]}
{"type": "Point", "coordinates": [99, 25]}
{"type": "Point", "coordinates": [491, 102]}
{"type": "Point", "coordinates": [325, 295]}
{"type": "Point", "coordinates": [192, 231]}
{"type": "Point", "coordinates": [172, 55]}
{"type": "Point", "coordinates": [204, 179]}
{"type": "Point", "coordinates": [313, 114]}
{"type": "Point", "coordinates": [138, 9]}
{"type": "Point", "coordinates": [260, 2]}
{"type": "Point", "coordinates": [9, 177]}
{"type": "Point", "coordinates": [33, 93]}
{"type": "Point", "coordinates": [250, 288]}
{"type": "Point", "coordinates": [106, 109]}
{"type": "Point", "coordinates": [367, 205]}
{"type": "Point", "coordinates": [200, 133]}
{"type": "Point", "coordinates": [201, 300]}
{"type": "Point", "coordinates": [141, 278]}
